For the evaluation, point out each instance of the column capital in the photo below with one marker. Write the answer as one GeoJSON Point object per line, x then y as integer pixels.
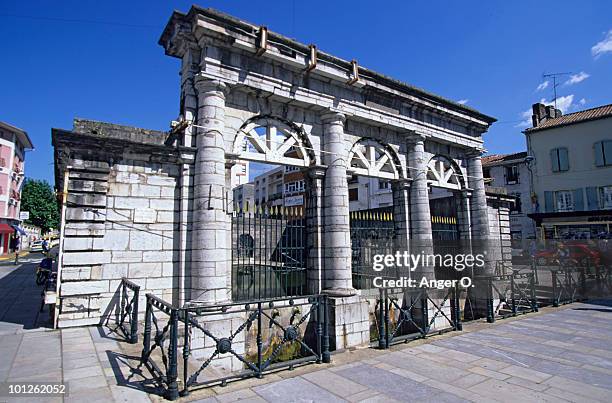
{"type": "Point", "coordinates": [333, 116]}
{"type": "Point", "coordinates": [205, 84]}
{"type": "Point", "coordinates": [416, 138]}
{"type": "Point", "coordinates": [474, 153]}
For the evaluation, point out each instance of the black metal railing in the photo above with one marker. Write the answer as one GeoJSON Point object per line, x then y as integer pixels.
{"type": "Point", "coordinates": [127, 321]}
{"type": "Point", "coordinates": [161, 357]}
{"type": "Point", "coordinates": [228, 342]}
{"type": "Point", "coordinates": [510, 295]}
{"type": "Point", "coordinates": [568, 285]}
{"type": "Point", "coordinates": [405, 315]}
{"type": "Point", "coordinates": [268, 252]}
{"type": "Point", "coordinates": [372, 233]}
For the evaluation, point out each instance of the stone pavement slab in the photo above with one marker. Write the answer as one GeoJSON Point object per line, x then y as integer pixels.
{"type": "Point", "coordinates": [562, 354]}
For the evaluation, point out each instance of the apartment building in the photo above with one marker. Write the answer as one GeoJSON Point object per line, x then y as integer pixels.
{"type": "Point", "coordinates": [511, 174]}
{"type": "Point", "coordinates": [13, 144]}
{"type": "Point", "coordinates": [571, 161]}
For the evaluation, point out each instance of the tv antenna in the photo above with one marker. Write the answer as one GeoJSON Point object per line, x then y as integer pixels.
{"type": "Point", "coordinates": [554, 77]}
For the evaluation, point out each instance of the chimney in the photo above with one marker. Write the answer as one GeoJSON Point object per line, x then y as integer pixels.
{"type": "Point", "coordinates": [550, 112]}
{"type": "Point", "coordinates": [539, 114]}
{"type": "Point", "coordinates": [558, 113]}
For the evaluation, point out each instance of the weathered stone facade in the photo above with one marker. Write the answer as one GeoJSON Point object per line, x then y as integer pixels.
{"type": "Point", "coordinates": [157, 207]}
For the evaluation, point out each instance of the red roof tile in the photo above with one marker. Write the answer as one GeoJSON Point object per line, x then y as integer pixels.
{"type": "Point", "coordinates": [590, 114]}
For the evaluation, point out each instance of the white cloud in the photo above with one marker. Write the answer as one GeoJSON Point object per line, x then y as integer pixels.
{"type": "Point", "coordinates": [576, 78]}
{"type": "Point", "coordinates": [582, 101]}
{"type": "Point", "coordinates": [542, 86]}
{"type": "Point", "coordinates": [462, 101]}
{"type": "Point", "coordinates": [604, 46]}
{"type": "Point", "coordinates": [563, 103]}
{"type": "Point", "coordinates": [526, 116]}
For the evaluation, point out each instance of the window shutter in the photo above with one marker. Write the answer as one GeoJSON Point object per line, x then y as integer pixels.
{"type": "Point", "coordinates": [578, 200]}
{"type": "Point", "coordinates": [554, 159]}
{"type": "Point", "coordinates": [599, 156]}
{"type": "Point", "coordinates": [563, 159]}
{"type": "Point", "coordinates": [549, 205]}
{"type": "Point", "coordinates": [592, 198]}
{"type": "Point", "coordinates": [607, 152]}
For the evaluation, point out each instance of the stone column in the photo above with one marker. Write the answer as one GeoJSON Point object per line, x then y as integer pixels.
{"type": "Point", "coordinates": [211, 270]}
{"type": "Point", "coordinates": [337, 275]}
{"type": "Point", "coordinates": [401, 213]}
{"type": "Point", "coordinates": [420, 215]}
{"type": "Point", "coordinates": [314, 228]}
{"type": "Point", "coordinates": [479, 215]}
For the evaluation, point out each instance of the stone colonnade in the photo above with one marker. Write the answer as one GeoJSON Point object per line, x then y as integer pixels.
{"type": "Point", "coordinates": [211, 262]}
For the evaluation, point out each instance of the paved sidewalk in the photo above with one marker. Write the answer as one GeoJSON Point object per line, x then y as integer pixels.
{"type": "Point", "coordinates": [559, 354]}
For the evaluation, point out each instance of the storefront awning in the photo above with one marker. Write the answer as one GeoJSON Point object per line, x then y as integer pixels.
{"type": "Point", "coordinates": [19, 229]}
{"type": "Point", "coordinates": [5, 228]}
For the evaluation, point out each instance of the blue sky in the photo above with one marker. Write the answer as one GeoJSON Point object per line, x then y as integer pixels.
{"type": "Point", "coordinates": [62, 60]}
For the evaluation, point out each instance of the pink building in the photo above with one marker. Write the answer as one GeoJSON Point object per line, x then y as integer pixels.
{"type": "Point", "coordinates": [13, 144]}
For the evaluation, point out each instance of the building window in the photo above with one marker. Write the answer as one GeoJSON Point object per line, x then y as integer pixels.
{"type": "Point", "coordinates": [354, 194]}
{"type": "Point", "coordinates": [384, 184]}
{"type": "Point", "coordinates": [517, 206]}
{"type": "Point", "coordinates": [603, 153]}
{"type": "Point", "coordinates": [292, 187]}
{"type": "Point", "coordinates": [512, 175]}
{"type": "Point", "coordinates": [564, 201]}
{"type": "Point", "coordinates": [560, 160]}
{"type": "Point", "coordinates": [605, 197]}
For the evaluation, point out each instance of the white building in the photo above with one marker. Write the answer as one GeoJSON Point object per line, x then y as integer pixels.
{"type": "Point", "coordinates": [367, 193]}
{"type": "Point", "coordinates": [511, 172]}
{"type": "Point", "coordinates": [572, 171]}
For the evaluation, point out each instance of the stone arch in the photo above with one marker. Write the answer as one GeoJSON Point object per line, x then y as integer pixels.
{"type": "Point", "coordinates": [274, 140]}
{"type": "Point", "coordinates": [443, 172]}
{"type": "Point", "coordinates": [372, 158]}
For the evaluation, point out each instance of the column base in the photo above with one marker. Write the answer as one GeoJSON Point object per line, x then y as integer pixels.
{"type": "Point", "coordinates": [349, 324]}
{"type": "Point", "coordinates": [339, 292]}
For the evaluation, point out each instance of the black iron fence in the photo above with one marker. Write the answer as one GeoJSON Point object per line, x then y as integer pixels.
{"type": "Point", "coordinates": [510, 295]}
{"type": "Point", "coordinates": [268, 252]}
{"type": "Point", "coordinates": [228, 342]}
{"type": "Point", "coordinates": [372, 233]}
{"type": "Point", "coordinates": [407, 315]}
{"type": "Point", "coordinates": [127, 320]}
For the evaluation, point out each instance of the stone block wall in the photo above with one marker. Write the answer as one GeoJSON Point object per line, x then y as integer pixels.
{"type": "Point", "coordinates": [123, 218]}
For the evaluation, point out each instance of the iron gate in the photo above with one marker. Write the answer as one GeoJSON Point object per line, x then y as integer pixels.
{"type": "Point", "coordinates": [372, 233]}
{"type": "Point", "coordinates": [268, 252]}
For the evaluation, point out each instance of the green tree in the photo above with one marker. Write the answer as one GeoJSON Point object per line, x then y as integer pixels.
{"type": "Point", "coordinates": [38, 198]}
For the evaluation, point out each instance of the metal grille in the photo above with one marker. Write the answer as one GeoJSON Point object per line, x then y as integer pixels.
{"type": "Point", "coordinates": [268, 253]}
{"type": "Point", "coordinates": [372, 233]}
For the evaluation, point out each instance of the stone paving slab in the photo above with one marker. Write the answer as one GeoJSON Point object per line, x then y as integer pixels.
{"type": "Point", "coordinates": [557, 355]}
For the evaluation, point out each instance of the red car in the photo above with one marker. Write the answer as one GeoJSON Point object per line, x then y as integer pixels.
{"type": "Point", "coordinates": [579, 252]}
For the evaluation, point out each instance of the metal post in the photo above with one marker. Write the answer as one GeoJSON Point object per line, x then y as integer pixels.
{"type": "Point", "coordinates": [259, 342]}
{"type": "Point", "coordinates": [512, 293]}
{"type": "Point", "coordinates": [583, 286]}
{"type": "Point", "coordinates": [424, 312]}
{"type": "Point", "coordinates": [554, 288]}
{"type": "Point", "coordinates": [534, 268]}
{"type": "Point", "coordinates": [186, 352]}
{"type": "Point", "coordinates": [122, 302]}
{"type": "Point", "coordinates": [456, 297]}
{"type": "Point", "coordinates": [387, 331]}
{"type": "Point", "coordinates": [490, 310]}
{"type": "Point", "coordinates": [172, 375]}
{"type": "Point", "coordinates": [146, 344]}
{"type": "Point", "coordinates": [382, 336]}
{"type": "Point", "coordinates": [134, 319]}
{"type": "Point", "coordinates": [326, 354]}
{"type": "Point", "coordinates": [319, 330]}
